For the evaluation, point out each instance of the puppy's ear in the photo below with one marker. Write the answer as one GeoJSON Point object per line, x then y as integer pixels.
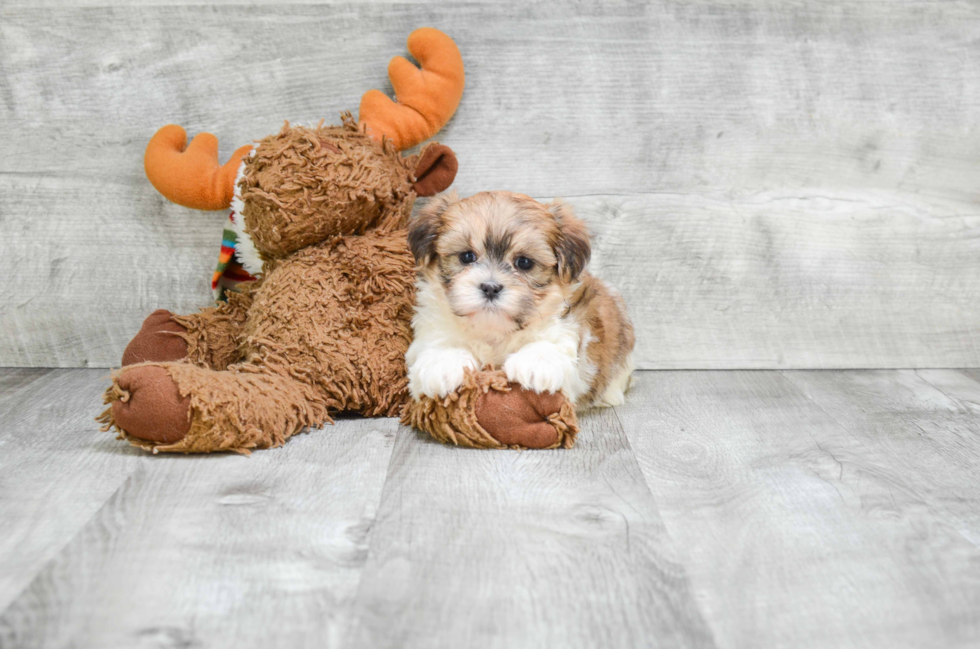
{"type": "Point", "coordinates": [435, 169]}
{"type": "Point", "coordinates": [573, 247]}
{"type": "Point", "coordinates": [423, 229]}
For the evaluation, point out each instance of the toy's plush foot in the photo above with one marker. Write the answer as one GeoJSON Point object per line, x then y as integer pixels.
{"type": "Point", "coordinates": [185, 408]}
{"type": "Point", "coordinates": [159, 340]}
{"type": "Point", "coordinates": [520, 417]}
{"type": "Point", "coordinates": [489, 412]}
{"type": "Point", "coordinates": [148, 405]}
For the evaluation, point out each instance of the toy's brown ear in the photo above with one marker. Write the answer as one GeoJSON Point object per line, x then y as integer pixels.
{"type": "Point", "coordinates": [435, 170]}
{"type": "Point", "coordinates": [423, 229]}
{"type": "Point", "coordinates": [573, 246]}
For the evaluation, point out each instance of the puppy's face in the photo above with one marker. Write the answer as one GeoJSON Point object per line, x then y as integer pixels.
{"type": "Point", "coordinates": [502, 259]}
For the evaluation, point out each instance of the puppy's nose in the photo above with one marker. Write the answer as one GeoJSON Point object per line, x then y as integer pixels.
{"type": "Point", "coordinates": [491, 289]}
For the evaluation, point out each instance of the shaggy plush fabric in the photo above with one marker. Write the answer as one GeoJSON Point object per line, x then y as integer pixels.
{"type": "Point", "coordinates": [225, 411]}
{"type": "Point", "coordinates": [297, 179]}
{"type": "Point", "coordinates": [326, 330]}
{"type": "Point", "coordinates": [337, 316]}
{"type": "Point", "coordinates": [209, 338]}
{"type": "Point", "coordinates": [213, 335]}
{"type": "Point", "coordinates": [488, 412]}
{"type": "Point", "coordinates": [327, 326]}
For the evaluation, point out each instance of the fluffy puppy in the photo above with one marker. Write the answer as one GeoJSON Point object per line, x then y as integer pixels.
{"type": "Point", "coordinates": [502, 282]}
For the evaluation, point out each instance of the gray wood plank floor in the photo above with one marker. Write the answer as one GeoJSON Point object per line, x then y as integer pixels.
{"type": "Point", "coordinates": [713, 509]}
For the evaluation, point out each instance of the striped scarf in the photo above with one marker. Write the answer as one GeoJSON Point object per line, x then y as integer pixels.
{"type": "Point", "coordinates": [229, 273]}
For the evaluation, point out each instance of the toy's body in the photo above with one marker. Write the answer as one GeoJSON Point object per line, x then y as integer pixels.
{"type": "Point", "coordinates": [325, 330]}
{"type": "Point", "coordinates": [321, 216]}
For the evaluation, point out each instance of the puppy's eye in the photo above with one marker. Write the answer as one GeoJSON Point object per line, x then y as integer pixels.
{"type": "Point", "coordinates": [524, 263]}
{"type": "Point", "coordinates": [467, 257]}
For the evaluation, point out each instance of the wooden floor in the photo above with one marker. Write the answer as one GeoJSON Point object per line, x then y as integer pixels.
{"type": "Point", "coordinates": [727, 509]}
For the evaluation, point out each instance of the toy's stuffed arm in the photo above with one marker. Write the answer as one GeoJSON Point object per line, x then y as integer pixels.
{"type": "Point", "coordinates": [427, 97]}
{"type": "Point", "coordinates": [489, 412]}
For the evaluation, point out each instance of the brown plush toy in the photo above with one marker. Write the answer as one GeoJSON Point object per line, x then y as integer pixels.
{"type": "Point", "coordinates": [321, 216]}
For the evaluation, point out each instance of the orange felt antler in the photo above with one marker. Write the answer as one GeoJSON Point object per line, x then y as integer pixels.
{"type": "Point", "coordinates": [427, 98]}
{"type": "Point", "coordinates": [191, 177]}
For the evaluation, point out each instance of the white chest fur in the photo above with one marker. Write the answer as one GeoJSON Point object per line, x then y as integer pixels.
{"type": "Point", "coordinates": [547, 354]}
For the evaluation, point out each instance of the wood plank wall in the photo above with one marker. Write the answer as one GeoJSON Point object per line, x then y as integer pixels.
{"type": "Point", "coordinates": [772, 185]}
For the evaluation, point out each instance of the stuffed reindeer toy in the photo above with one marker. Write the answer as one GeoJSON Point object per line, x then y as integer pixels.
{"type": "Point", "coordinates": [320, 217]}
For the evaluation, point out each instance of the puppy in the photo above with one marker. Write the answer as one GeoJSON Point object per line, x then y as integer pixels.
{"type": "Point", "coordinates": [502, 282]}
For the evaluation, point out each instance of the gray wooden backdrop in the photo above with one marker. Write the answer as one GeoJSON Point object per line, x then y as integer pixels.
{"type": "Point", "coordinates": [772, 185]}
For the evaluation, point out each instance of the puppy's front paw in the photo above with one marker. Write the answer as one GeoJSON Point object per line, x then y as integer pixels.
{"type": "Point", "coordinates": [437, 372]}
{"type": "Point", "coordinates": [540, 367]}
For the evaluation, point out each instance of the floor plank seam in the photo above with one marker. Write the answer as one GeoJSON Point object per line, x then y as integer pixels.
{"type": "Point", "coordinates": [960, 371]}
{"type": "Point", "coordinates": [58, 552]}
{"type": "Point", "coordinates": [799, 389]}
{"type": "Point", "coordinates": [351, 618]}
{"type": "Point", "coordinates": [705, 618]}
{"type": "Point", "coordinates": [937, 509]}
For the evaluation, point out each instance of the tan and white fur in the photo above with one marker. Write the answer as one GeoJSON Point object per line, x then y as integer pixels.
{"type": "Point", "coordinates": [502, 283]}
